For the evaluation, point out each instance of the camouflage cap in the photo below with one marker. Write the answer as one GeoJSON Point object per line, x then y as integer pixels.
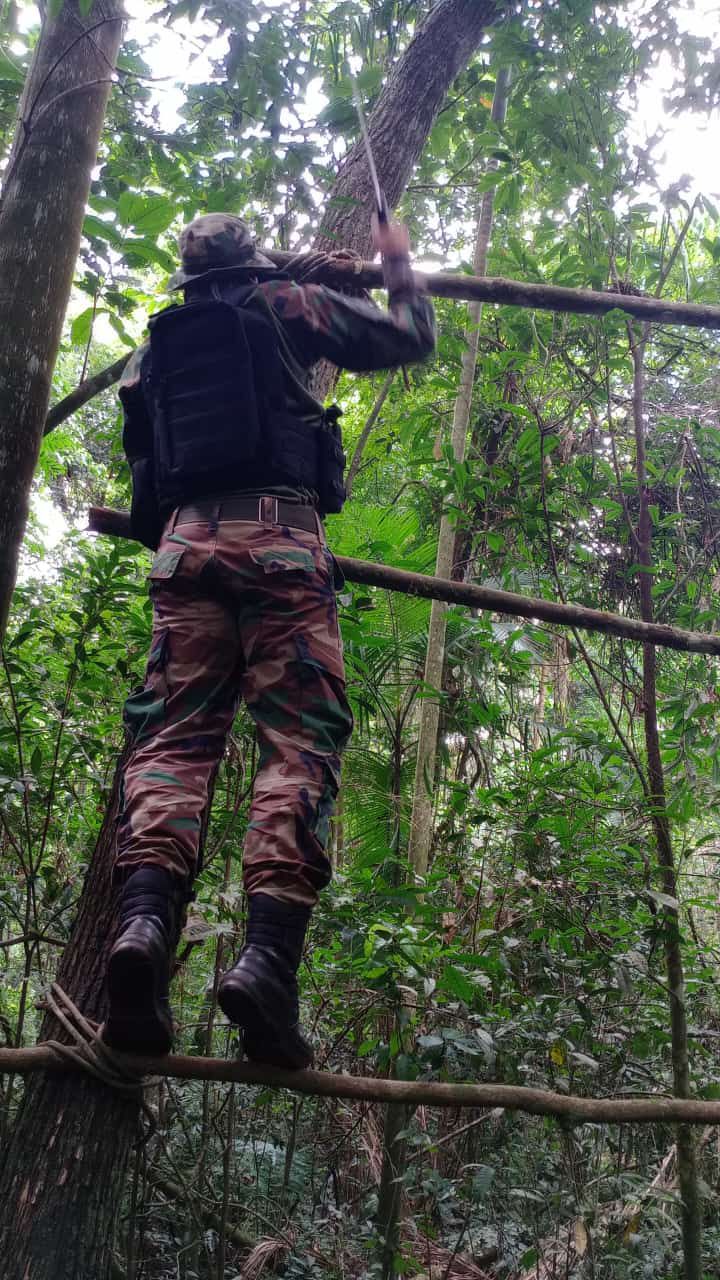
{"type": "Point", "coordinates": [216, 242]}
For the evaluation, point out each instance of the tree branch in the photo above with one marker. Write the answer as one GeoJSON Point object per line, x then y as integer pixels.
{"type": "Point", "coordinates": [367, 429]}
{"type": "Point", "coordinates": [324, 1084]}
{"type": "Point", "coordinates": [85, 391]}
{"type": "Point", "coordinates": [466, 288]}
{"type": "Point", "coordinates": [516, 293]}
{"type": "Point", "coordinates": [117, 524]}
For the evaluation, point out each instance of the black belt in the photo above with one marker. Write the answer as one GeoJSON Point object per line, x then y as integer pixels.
{"type": "Point", "coordinates": [263, 510]}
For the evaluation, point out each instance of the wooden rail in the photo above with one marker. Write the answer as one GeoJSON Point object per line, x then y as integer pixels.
{"type": "Point", "coordinates": [117, 524]}
{"type": "Point", "coordinates": [465, 288]}
{"type": "Point", "coordinates": [324, 1084]}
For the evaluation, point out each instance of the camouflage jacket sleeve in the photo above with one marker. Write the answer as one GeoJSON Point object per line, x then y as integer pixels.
{"type": "Point", "coordinates": [352, 333]}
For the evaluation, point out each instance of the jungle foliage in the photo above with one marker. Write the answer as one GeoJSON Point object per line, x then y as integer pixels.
{"type": "Point", "coordinates": [534, 951]}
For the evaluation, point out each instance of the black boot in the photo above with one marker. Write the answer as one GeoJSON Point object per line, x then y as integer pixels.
{"type": "Point", "coordinates": [260, 994]}
{"type": "Point", "coordinates": [138, 975]}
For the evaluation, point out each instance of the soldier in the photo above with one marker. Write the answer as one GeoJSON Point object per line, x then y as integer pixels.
{"type": "Point", "coordinates": [233, 465]}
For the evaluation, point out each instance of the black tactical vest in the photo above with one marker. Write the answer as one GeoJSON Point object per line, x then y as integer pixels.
{"type": "Point", "coordinates": [214, 383]}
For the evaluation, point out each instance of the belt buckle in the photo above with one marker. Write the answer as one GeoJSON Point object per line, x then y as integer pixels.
{"type": "Point", "coordinates": [268, 511]}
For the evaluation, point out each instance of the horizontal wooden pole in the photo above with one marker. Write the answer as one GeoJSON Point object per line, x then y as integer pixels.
{"type": "Point", "coordinates": [446, 284]}
{"type": "Point", "coordinates": [324, 1084]}
{"type": "Point", "coordinates": [84, 392]}
{"type": "Point", "coordinates": [117, 523]}
{"type": "Point", "coordinates": [516, 293]}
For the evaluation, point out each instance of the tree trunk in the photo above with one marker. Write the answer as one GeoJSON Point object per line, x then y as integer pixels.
{"type": "Point", "coordinates": [691, 1213]}
{"type": "Point", "coordinates": [64, 1170]}
{"type": "Point", "coordinates": [402, 118]}
{"type": "Point", "coordinates": [397, 1118]}
{"type": "Point", "coordinates": [401, 121]}
{"type": "Point", "coordinates": [538, 720]}
{"type": "Point", "coordinates": [43, 203]}
{"type": "Point", "coordinates": [62, 1177]}
{"type": "Point", "coordinates": [421, 825]}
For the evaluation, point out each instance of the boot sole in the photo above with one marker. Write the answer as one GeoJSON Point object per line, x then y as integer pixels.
{"type": "Point", "coordinates": [137, 1021]}
{"type": "Point", "coordinates": [261, 1041]}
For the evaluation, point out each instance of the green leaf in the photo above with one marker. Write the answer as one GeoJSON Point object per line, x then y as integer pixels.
{"type": "Point", "coordinates": [454, 981]}
{"type": "Point", "coordinates": [528, 441]}
{"type": "Point", "coordinates": [148, 215]}
{"type": "Point", "coordinates": [9, 70]}
{"type": "Point", "coordinates": [431, 1043]}
{"type": "Point", "coordinates": [146, 251]}
{"type": "Point", "coordinates": [120, 329]}
{"type": "Point", "coordinates": [663, 899]}
{"type": "Point", "coordinates": [98, 229]}
{"type": "Point", "coordinates": [81, 327]}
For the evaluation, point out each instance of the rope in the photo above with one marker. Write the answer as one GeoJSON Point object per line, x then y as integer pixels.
{"type": "Point", "coordinates": [88, 1050]}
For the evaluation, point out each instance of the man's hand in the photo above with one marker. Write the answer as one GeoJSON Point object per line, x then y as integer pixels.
{"type": "Point", "coordinates": [391, 239]}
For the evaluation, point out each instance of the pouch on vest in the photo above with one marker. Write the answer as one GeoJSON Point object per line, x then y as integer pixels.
{"type": "Point", "coordinates": [204, 388]}
{"type": "Point", "coordinates": [331, 462]}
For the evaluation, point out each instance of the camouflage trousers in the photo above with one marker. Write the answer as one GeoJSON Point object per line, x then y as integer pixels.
{"type": "Point", "coordinates": [241, 609]}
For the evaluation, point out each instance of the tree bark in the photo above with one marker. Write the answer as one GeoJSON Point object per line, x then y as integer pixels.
{"type": "Point", "coordinates": [62, 1176]}
{"type": "Point", "coordinates": [397, 1118]}
{"type": "Point", "coordinates": [402, 118]}
{"type": "Point", "coordinates": [43, 203]}
{"type": "Point", "coordinates": [421, 824]}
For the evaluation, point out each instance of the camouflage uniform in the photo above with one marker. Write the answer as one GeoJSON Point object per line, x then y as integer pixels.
{"type": "Point", "coordinates": [247, 607]}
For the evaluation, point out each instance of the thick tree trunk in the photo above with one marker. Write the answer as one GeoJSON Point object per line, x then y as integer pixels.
{"type": "Point", "coordinates": [402, 118]}
{"type": "Point", "coordinates": [62, 1177]}
{"type": "Point", "coordinates": [43, 203]}
{"type": "Point", "coordinates": [421, 825]}
{"type": "Point", "coordinates": [399, 127]}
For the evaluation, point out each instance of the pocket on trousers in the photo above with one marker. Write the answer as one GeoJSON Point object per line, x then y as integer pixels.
{"type": "Point", "coordinates": [337, 576]}
{"type": "Point", "coordinates": [144, 711]}
{"type": "Point", "coordinates": [284, 560]}
{"type": "Point", "coordinates": [165, 564]}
